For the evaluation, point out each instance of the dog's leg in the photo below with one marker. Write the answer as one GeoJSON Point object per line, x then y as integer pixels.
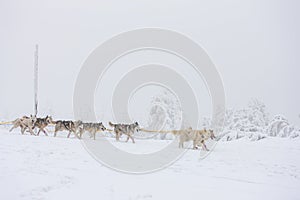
{"type": "Point", "coordinates": [204, 146]}
{"type": "Point", "coordinates": [132, 138]}
{"type": "Point", "coordinates": [23, 129]}
{"type": "Point", "coordinates": [12, 128]}
{"type": "Point", "coordinates": [31, 131]}
{"type": "Point", "coordinates": [44, 132]}
{"type": "Point", "coordinates": [117, 135]}
{"type": "Point", "coordinates": [94, 134]}
{"type": "Point", "coordinates": [55, 131]}
{"type": "Point", "coordinates": [76, 134]}
{"type": "Point", "coordinates": [73, 130]}
{"type": "Point", "coordinates": [195, 144]}
{"type": "Point", "coordinates": [39, 132]}
{"type": "Point", "coordinates": [69, 134]}
{"type": "Point", "coordinates": [181, 141]}
{"type": "Point", "coordinates": [80, 133]}
{"type": "Point", "coordinates": [127, 138]}
{"type": "Point", "coordinates": [91, 134]}
{"type": "Point", "coordinates": [180, 144]}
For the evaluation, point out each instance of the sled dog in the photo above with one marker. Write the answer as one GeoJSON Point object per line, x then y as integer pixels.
{"type": "Point", "coordinates": [24, 123]}
{"type": "Point", "coordinates": [63, 125]}
{"type": "Point", "coordinates": [42, 123]}
{"type": "Point", "coordinates": [126, 129]}
{"type": "Point", "coordinates": [92, 128]}
{"type": "Point", "coordinates": [197, 136]}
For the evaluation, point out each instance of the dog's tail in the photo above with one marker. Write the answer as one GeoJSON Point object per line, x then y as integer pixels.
{"type": "Point", "coordinates": [111, 124]}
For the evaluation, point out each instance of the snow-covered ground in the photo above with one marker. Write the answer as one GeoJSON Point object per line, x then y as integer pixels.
{"type": "Point", "coordinates": [59, 168]}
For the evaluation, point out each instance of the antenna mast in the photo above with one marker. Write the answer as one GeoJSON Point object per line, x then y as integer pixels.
{"type": "Point", "coordinates": [36, 56]}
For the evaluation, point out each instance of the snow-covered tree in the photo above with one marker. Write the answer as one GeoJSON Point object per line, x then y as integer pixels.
{"type": "Point", "coordinates": [165, 114]}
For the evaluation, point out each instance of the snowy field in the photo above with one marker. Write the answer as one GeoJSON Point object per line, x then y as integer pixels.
{"type": "Point", "coordinates": [60, 168]}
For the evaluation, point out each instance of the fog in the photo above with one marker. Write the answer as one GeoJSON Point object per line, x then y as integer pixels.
{"type": "Point", "coordinates": [255, 46]}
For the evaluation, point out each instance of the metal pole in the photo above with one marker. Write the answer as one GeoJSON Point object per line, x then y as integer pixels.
{"type": "Point", "coordinates": [36, 79]}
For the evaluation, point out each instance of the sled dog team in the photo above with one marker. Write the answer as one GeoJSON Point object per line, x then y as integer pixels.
{"type": "Point", "coordinates": [78, 128]}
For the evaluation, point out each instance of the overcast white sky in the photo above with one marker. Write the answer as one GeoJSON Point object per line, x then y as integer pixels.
{"type": "Point", "coordinates": [254, 44]}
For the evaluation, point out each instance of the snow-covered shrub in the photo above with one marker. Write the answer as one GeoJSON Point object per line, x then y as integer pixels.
{"type": "Point", "coordinates": [279, 126]}
{"type": "Point", "coordinates": [235, 134]}
{"type": "Point", "coordinates": [249, 122]}
{"type": "Point", "coordinates": [253, 123]}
